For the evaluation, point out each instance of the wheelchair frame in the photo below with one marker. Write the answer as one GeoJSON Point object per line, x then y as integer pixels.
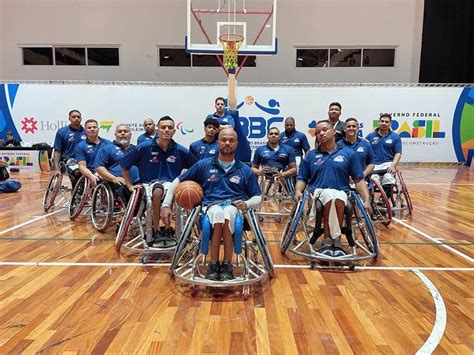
{"type": "Point", "coordinates": [189, 262]}
{"type": "Point", "coordinates": [274, 189]}
{"type": "Point", "coordinates": [103, 204]}
{"type": "Point", "coordinates": [55, 187]}
{"type": "Point", "coordinates": [381, 206]}
{"type": "Point", "coordinates": [76, 204]}
{"type": "Point", "coordinates": [362, 248]}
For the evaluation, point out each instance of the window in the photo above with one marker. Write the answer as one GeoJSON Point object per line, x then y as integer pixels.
{"type": "Point", "coordinates": [378, 58]}
{"type": "Point", "coordinates": [38, 56]}
{"type": "Point", "coordinates": [177, 57]}
{"type": "Point", "coordinates": [345, 57]}
{"type": "Point", "coordinates": [103, 56]}
{"type": "Point", "coordinates": [70, 56]}
{"type": "Point", "coordinates": [311, 57]}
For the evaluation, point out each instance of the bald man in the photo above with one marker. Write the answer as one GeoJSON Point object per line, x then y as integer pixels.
{"type": "Point", "coordinates": [150, 131]}
{"type": "Point", "coordinates": [229, 186]}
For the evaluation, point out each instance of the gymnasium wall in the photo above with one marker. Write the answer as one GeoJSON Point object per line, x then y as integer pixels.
{"type": "Point", "coordinates": [139, 26]}
{"type": "Point", "coordinates": [436, 123]}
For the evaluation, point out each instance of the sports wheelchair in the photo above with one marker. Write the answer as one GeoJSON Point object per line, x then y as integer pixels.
{"type": "Point", "coordinates": [253, 261]}
{"type": "Point", "coordinates": [278, 191]}
{"type": "Point", "coordinates": [135, 232]}
{"type": "Point", "coordinates": [56, 187]}
{"type": "Point", "coordinates": [381, 206]}
{"type": "Point", "coordinates": [397, 193]}
{"type": "Point", "coordinates": [357, 228]}
{"type": "Point", "coordinates": [80, 196]}
{"type": "Point", "coordinates": [106, 206]}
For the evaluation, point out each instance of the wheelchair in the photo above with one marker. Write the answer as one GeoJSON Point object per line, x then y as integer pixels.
{"type": "Point", "coordinates": [56, 187]}
{"type": "Point", "coordinates": [301, 239]}
{"type": "Point", "coordinates": [380, 203]}
{"type": "Point", "coordinates": [278, 191]}
{"type": "Point", "coordinates": [253, 261]}
{"type": "Point", "coordinates": [398, 195]}
{"type": "Point", "coordinates": [135, 232]}
{"type": "Point", "coordinates": [106, 206]}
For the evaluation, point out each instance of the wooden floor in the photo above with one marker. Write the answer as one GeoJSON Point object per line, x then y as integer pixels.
{"type": "Point", "coordinates": [63, 288]}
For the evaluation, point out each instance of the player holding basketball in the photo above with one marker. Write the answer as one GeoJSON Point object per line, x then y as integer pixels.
{"type": "Point", "coordinates": [159, 162]}
{"type": "Point", "coordinates": [229, 186]}
{"type": "Point", "coordinates": [297, 140]}
{"type": "Point", "coordinates": [207, 146]}
{"type": "Point", "coordinates": [387, 147]}
{"type": "Point", "coordinates": [326, 171]}
{"type": "Point", "coordinates": [150, 131]}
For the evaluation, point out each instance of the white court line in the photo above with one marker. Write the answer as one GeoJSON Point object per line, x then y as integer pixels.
{"type": "Point", "coordinates": [281, 266]}
{"type": "Point", "coordinates": [440, 317]}
{"type": "Point", "coordinates": [29, 222]}
{"type": "Point", "coordinates": [435, 240]}
{"type": "Point", "coordinates": [440, 183]}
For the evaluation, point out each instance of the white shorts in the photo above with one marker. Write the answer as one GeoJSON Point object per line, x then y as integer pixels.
{"type": "Point", "coordinates": [325, 196]}
{"type": "Point", "coordinates": [219, 214]}
{"type": "Point", "coordinates": [387, 178]}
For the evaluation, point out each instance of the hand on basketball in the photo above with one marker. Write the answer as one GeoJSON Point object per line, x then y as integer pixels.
{"type": "Point", "coordinates": [241, 205]}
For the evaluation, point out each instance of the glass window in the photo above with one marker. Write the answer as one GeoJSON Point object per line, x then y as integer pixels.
{"type": "Point", "coordinates": [70, 56]}
{"type": "Point", "coordinates": [345, 57]}
{"type": "Point", "coordinates": [103, 56]}
{"type": "Point", "coordinates": [38, 56]}
{"type": "Point", "coordinates": [311, 57]}
{"type": "Point", "coordinates": [174, 57]}
{"type": "Point", "coordinates": [379, 58]}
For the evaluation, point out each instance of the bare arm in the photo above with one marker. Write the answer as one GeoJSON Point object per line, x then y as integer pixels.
{"type": "Point", "coordinates": [106, 175]}
{"type": "Point", "coordinates": [368, 169]}
{"type": "Point", "coordinates": [299, 188]}
{"type": "Point", "coordinates": [87, 173]}
{"type": "Point", "coordinates": [56, 159]}
{"type": "Point", "coordinates": [363, 191]}
{"type": "Point", "coordinates": [396, 160]}
{"type": "Point", "coordinates": [232, 95]}
{"type": "Point", "coordinates": [126, 176]}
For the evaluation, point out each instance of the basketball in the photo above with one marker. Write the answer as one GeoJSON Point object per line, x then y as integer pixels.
{"type": "Point", "coordinates": [188, 194]}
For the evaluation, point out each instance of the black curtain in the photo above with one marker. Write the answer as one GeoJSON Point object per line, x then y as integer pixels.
{"type": "Point", "coordinates": [447, 49]}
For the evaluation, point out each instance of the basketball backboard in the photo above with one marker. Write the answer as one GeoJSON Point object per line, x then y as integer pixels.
{"type": "Point", "coordinates": [255, 20]}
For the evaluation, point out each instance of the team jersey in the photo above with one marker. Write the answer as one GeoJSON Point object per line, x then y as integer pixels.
{"type": "Point", "coordinates": [280, 158]}
{"type": "Point", "coordinates": [297, 140]}
{"type": "Point", "coordinates": [339, 127]}
{"type": "Point", "coordinates": [362, 148]}
{"type": "Point", "coordinates": [202, 149]}
{"type": "Point", "coordinates": [322, 170]}
{"type": "Point", "coordinates": [238, 183]}
{"type": "Point", "coordinates": [67, 139]}
{"type": "Point", "coordinates": [109, 157]}
{"type": "Point", "coordinates": [226, 120]}
{"type": "Point", "coordinates": [154, 163]}
{"type": "Point", "coordinates": [144, 137]}
{"type": "Point", "coordinates": [87, 151]}
{"type": "Point", "coordinates": [384, 147]}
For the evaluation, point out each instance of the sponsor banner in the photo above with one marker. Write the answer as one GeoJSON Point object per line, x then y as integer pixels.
{"type": "Point", "coordinates": [425, 118]}
{"type": "Point", "coordinates": [30, 161]}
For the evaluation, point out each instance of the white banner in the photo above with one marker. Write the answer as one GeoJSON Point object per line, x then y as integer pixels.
{"type": "Point", "coordinates": [422, 116]}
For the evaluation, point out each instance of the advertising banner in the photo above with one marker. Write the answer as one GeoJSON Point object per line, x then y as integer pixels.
{"type": "Point", "coordinates": [25, 160]}
{"type": "Point", "coordinates": [436, 123]}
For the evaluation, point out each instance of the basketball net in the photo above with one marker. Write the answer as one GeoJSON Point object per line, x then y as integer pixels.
{"type": "Point", "coordinates": [231, 44]}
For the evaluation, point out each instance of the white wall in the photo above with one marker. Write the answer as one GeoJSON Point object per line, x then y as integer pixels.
{"type": "Point", "coordinates": [138, 26]}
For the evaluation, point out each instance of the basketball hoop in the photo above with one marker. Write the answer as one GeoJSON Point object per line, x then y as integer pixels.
{"type": "Point", "coordinates": [231, 44]}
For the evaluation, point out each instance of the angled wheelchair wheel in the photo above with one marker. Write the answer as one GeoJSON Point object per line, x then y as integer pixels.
{"type": "Point", "coordinates": [292, 225]}
{"type": "Point", "coordinates": [79, 197]}
{"type": "Point", "coordinates": [364, 224]}
{"type": "Point", "coordinates": [128, 217]}
{"type": "Point", "coordinates": [102, 206]}
{"type": "Point", "coordinates": [52, 190]}
{"type": "Point", "coordinates": [404, 191]}
{"type": "Point", "coordinates": [261, 242]}
{"type": "Point", "coordinates": [381, 206]}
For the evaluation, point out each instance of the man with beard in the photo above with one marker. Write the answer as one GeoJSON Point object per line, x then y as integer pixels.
{"type": "Point", "coordinates": [207, 146]}
{"type": "Point", "coordinates": [335, 110]}
{"type": "Point", "coordinates": [159, 161]}
{"type": "Point", "coordinates": [108, 159]}
{"type": "Point", "coordinates": [297, 140]}
{"type": "Point", "coordinates": [229, 186]}
{"type": "Point", "coordinates": [150, 131]}
{"type": "Point", "coordinates": [327, 171]}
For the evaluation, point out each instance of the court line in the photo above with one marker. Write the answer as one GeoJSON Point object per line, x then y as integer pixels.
{"type": "Point", "coordinates": [29, 222]}
{"type": "Point", "coordinates": [440, 317]}
{"type": "Point", "coordinates": [440, 183]}
{"type": "Point", "coordinates": [435, 240]}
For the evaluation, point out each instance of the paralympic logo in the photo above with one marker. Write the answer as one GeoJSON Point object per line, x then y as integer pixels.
{"type": "Point", "coordinates": [184, 131]}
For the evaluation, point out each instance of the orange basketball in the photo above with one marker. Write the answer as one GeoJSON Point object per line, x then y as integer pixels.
{"type": "Point", "coordinates": [188, 194]}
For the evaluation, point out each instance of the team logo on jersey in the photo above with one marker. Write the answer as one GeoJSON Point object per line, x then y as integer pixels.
{"type": "Point", "coordinates": [235, 179]}
{"type": "Point", "coordinates": [171, 159]}
{"type": "Point", "coordinates": [339, 159]}
{"type": "Point", "coordinates": [389, 141]}
{"type": "Point", "coordinates": [360, 149]}
{"type": "Point", "coordinates": [212, 151]}
{"type": "Point", "coordinates": [213, 171]}
{"type": "Point", "coordinates": [283, 155]}
{"type": "Point", "coordinates": [319, 161]}
{"type": "Point", "coordinates": [154, 159]}
{"type": "Point", "coordinates": [297, 140]}
{"type": "Point", "coordinates": [213, 178]}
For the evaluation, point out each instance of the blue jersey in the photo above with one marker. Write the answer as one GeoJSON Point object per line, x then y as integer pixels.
{"type": "Point", "coordinates": [109, 157]}
{"type": "Point", "coordinates": [226, 120]}
{"type": "Point", "coordinates": [267, 156]}
{"type": "Point", "coordinates": [384, 147]}
{"type": "Point", "coordinates": [362, 148]}
{"type": "Point", "coordinates": [144, 137]}
{"type": "Point", "coordinates": [156, 164]}
{"type": "Point", "coordinates": [66, 140]}
{"type": "Point", "coordinates": [238, 183]}
{"type": "Point", "coordinates": [322, 170]}
{"type": "Point", "coordinates": [201, 149]}
{"type": "Point", "coordinates": [87, 151]}
{"type": "Point", "coordinates": [297, 140]}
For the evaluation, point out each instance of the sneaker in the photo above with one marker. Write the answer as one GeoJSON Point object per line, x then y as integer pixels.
{"type": "Point", "coordinates": [326, 247]}
{"type": "Point", "coordinates": [213, 271]}
{"type": "Point", "coordinates": [338, 251]}
{"type": "Point", "coordinates": [227, 271]}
